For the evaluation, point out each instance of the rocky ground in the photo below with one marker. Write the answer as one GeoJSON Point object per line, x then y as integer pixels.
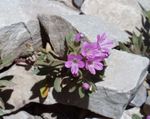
{"type": "Point", "coordinates": [125, 90]}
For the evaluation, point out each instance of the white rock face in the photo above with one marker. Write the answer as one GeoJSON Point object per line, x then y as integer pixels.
{"type": "Point", "coordinates": [123, 13]}
{"type": "Point", "coordinates": [24, 11]}
{"type": "Point", "coordinates": [91, 26]}
{"type": "Point", "coordinates": [122, 80]}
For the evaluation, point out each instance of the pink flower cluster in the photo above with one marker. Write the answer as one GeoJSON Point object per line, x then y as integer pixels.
{"type": "Point", "coordinates": [91, 55]}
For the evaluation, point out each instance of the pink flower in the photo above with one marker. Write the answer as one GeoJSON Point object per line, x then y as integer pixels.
{"type": "Point", "coordinates": [78, 37]}
{"type": "Point", "coordinates": [90, 51]}
{"type": "Point", "coordinates": [148, 117]}
{"type": "Point", "coordinates": [85, 86]}
{"type": "Point", "coordinates": [93, 64]}
{"type": "Point", "coordinates": [74, 62]}
{"type": "Point", "coordinates": [104, 44]}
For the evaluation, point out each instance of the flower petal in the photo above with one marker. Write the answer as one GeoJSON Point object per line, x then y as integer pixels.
{"type": "Point", "coordinates": [74, 68]}
{"type": "Point", "coordinates": [68, 64]}
{"type": "Point", "coordinates": [98, 66]}
{"type": "Point", "coordinates": [81, 64]}
{"type": "Point", "coordinates": [92, 70]}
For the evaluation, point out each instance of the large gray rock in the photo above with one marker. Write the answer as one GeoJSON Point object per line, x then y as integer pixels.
{"type": "Point", "coordinates": [56, 28]}
{"type": "Point", "coordinates": [123, 13]}
{"type": "Point", "coordinates": [24, 11]}
{"type": "Point", "coordinates": [91, 26]}
{"type": "Point", "coordinates": [121, 82]}
{"type": "Point", "coordinates": [13, 37]}
{"type": "Point", "coordinates": [12, 42]}
{"type": "Point", "coordinates": [140, 97]}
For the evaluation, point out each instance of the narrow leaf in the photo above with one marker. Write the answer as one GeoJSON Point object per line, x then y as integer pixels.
{"type": "Point", "coordinates": [57, 84]}
{"type": "Point", "coordinates": [81, 93]}
{"type": "Point", "coordinates": [123, 47]}
{"type": "Point", "coordinates": [44, 91]}
{"type": "Point", "coordinates": [72, 89]}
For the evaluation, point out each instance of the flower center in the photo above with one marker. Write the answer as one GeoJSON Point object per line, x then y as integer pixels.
{"type": "Point", "coordinates": [75, 60]}
{"type": "Point", "coordinates": [90, 62]}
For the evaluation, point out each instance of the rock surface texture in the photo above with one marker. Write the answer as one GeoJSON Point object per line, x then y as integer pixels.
{"type": "Point", "coordinates": [140, 97]}
{"type": "Point", "coordinates": [25, 12]}
{"type": "Point", "coordinates": [92, 26]}
{"type": "Point", "coordinates": [124, 13]}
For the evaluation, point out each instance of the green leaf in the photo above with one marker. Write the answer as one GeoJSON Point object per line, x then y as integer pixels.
{"type": "Point", "coordinates": [72, 89]}
{"type": "Point", "coordinates": [135, 116]}
{"type": "Point", "coordinates": [44, 91]}
{"type": "Point", "coordinates": [57, 63]}
{"type": "Point", "coordinates": [57, 84]}
{"type": "Point", "coordinates": [123, 47]}
{"type": "Point", "coordinates": [81, 93]}
{"type": "Point", "coordinates": [69, 37]}
{"type": "Point", "coordinates": [2, 104]}
{"type": "Point", "coordinates": [135, 40]}
{"type": "Point", "coordinates": [94, 88]}
{"type": "Point", "coordinates": [1, 112]}
{"type": "Point", "coordinates": [35, 70]}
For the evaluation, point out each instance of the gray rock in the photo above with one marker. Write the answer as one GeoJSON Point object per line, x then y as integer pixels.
{"type": "Point", "coordinates": [121, 82]}
{"type": "Point", "coordinates": [145, 4]}
{"type": "Point", "coordinates": [123, 13]}
{"type": "Point", "coordinates": [91, 26]}
{"type": "Point", "coordinates": [112, 95]}
{"type": "Point", "coordinates": [78, 3]}
{"type": "Point", "coordinates": [140, 97]}
{"type": "Point", "coordinates": [26, 12]}
{"type": "Point", "coordinates": [146, 107]}
{"type": "Point", "coordinates": [12, 42]}
{"type": "Point", "coordinates": [56, 28]}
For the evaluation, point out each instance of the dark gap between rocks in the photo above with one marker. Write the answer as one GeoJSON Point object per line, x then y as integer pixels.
{"type": "Point", "coordinates": [59, 111]}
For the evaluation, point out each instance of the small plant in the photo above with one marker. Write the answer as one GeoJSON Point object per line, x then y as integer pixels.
{"type": "Point", "coordinates": [82, 65]}
{"type": "Point", "coordinates": [135, 116]}
{"type": "Point", "coordinates": [140, 44]}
